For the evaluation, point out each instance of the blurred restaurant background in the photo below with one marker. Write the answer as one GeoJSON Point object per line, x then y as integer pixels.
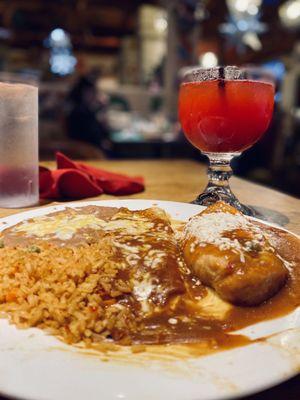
{"type": "Point", "coordinates": [108, 73]}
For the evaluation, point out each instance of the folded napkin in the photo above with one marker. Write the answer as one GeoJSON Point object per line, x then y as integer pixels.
{"type": "Point", "coordinates": [78, 180]}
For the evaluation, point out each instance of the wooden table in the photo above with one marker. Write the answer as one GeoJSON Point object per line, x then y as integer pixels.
{"type": "Point", "coordinates": [182, 180]}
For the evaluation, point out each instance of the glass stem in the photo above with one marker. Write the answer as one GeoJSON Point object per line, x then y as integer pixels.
{"type": "Point", "coordinates": [219, 171]}
{"type": "Point", "coordinates": [218, 188]}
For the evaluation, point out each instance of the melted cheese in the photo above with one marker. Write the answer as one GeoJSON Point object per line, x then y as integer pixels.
{"type": "Point", "coordinates": [61, 226]}
{"type": "Point", "coordinates": [211, 306]}
{"type": "Point", "coordinates": [211, 228]}
{"type": "Point", "coordinates": [142, 291]}
{"type": "Point", "coordinates": [129, 226]}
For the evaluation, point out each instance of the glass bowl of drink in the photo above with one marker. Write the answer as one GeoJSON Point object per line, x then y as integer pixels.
{"type": "Point", "coordinates": [224, 111]}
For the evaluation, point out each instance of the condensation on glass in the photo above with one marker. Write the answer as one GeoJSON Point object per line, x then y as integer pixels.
{"type": "Point", "coordinates": [18, 145]}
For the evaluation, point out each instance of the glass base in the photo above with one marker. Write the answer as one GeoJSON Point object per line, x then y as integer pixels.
{"type": "Point", "coordinates": [218, 188]}
{"type": "Point", "coordinates": [212, 194]}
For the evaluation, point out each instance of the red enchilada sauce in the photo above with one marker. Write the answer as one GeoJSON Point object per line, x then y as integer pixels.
{"type": "Point", "coordinates": [181, 324]}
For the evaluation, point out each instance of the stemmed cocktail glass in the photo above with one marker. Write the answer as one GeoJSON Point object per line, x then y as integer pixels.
{"type": "Point", "coordinates": [224, 111]}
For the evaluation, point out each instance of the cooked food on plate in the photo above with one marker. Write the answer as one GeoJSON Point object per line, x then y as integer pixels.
{"type": "Point", "coordinates": [96, 274]}
{"type": "Point", "coordinates": [89, 273]}
{"type": "Point", "coordinates": [233, 255]}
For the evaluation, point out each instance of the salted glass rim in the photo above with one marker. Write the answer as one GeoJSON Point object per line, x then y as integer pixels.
{"type": "Point", "coordinates": [228, 72]}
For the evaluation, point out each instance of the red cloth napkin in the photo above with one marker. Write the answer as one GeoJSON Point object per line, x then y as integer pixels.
{"type": "Point", "coordinates": [77, 180]}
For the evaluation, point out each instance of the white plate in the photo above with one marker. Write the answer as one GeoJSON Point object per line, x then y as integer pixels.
{"type": "Point", "coordinates": [35, 366]}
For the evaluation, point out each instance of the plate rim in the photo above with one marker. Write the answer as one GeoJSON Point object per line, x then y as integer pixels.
{"type": "Point", "coordinates": [83, 203]}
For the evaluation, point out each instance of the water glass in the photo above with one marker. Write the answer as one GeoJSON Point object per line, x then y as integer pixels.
{"type": "Point", "coordinates": [18, 145]}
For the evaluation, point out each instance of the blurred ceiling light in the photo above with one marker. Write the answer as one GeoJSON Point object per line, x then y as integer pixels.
{"type": "Point", "coordinates": [62, 61]}
{"type": "Point", "coordinates": [160, 24]}
{"type": "Point", "coordinates": [208, 59]}
{"type": "Point", "coordinates": [244, 6]}
{"type": "Point", "coordinates": [57, 34]}
{"type": "Point", "coordinates": [289, 13]}
{"type": "Point", "coordinates": [253, 9]}
{"type": "Point", "coordinates": [59, 38]}
{"type": "Point", "coordinates": [252, 40]}
{"type": "Point", "coordinates": [242, 25]}
{"type": "Point", "coordinates": [293, 10]}
{"type": "Point", "coordinates": [241, 5]}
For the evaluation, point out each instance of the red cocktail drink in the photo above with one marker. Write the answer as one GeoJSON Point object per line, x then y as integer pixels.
{"type": "Point", "coordinates": [225, 116]}
{"type": "Point", "coordinates": [224, 111]}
